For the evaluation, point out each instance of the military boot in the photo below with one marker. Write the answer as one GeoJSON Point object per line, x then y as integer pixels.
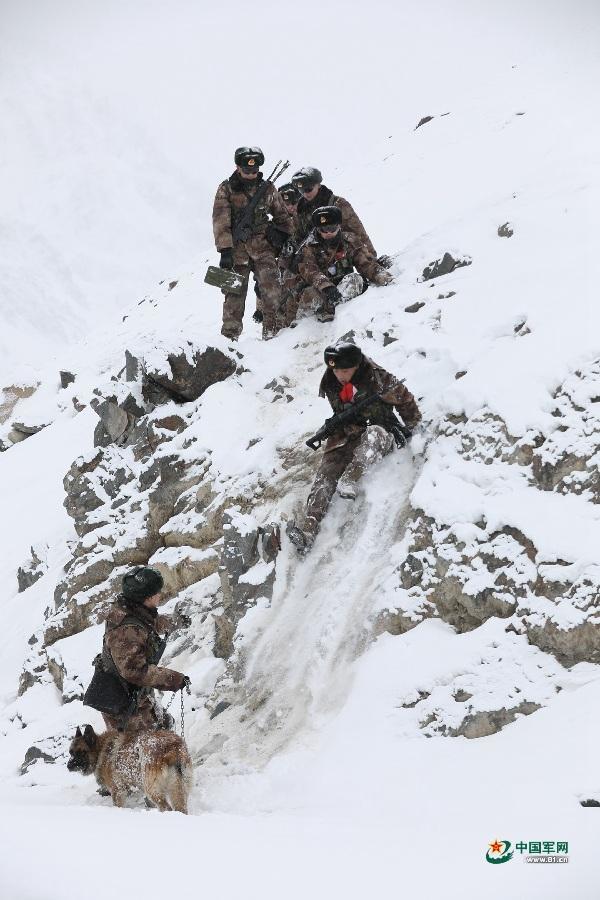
{"type": "Point", "coordinates": [300, 539]}
{"type": "Point", "coordinates": [326, 312]}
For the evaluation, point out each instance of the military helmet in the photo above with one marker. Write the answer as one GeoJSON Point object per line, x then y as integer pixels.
{"type": "Point", "coordinates": [327, 217]}
{"type": "Point", "coordinates": [289, 192]}
{"type": "Point", "coordinates": [342, 355]}
{"type": "Point", "coordinates": [307, 177]}
{"type": "Point", "coordinates": [141, 583]}
{"type": "Point", "coordinates": [251, 157]}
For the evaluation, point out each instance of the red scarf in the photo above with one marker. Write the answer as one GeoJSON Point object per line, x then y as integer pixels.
{"type": "Point", "coordinates": [347, 393]}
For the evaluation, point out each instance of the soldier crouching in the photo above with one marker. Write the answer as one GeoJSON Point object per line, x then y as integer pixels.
{"type": "Point", "coordinates": [131, 649]}
{"type": "Point", "coordinates": [350, 376]}
{"type": "Point", "coordinates": [333, 266]}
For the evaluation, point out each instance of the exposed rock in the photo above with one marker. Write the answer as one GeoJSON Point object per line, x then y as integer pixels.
{"type": "Point", "coordinates": [48, 750]}
{"type": "Point", "coordinates": [10, 396]}
{"type": "Point", "coordinates": [31, 571]}
{"type": "Point", "coordinates": [66, 378]}
{"type": "Point", "coordinates": [183, 566]}
{"type": "Point", "coordinates": [414, 307]}
{"type": "Point", "coordinates": [462, 696]}
{"type": "Point", "coordinates": [482, 724]}
{"type": "Point", "coordinates": [568, 461]}
{"type": "Point", "coordinates": [81, 489]}
{"type": "Point", "coordinates": [463, 574]}
{"type": "Point", "coordinates": [21, 430]}
{"type": "Point", "coordinates": [562, 616]}
{"type": "Point", "coordinates": [186, 377]}
{"type": "Point", "coordinates": [114, 419]}
{"type": "Point", "coordinates": [444, 266]}
{"type": "Point", "coordinates": [505, 230]}
{"type": "Point", "coordinates": [224, 632]}
{"type": "Point", "coordinates": [133, 368]}
{"type": "Point", "coordinates": [424, 121]}
{"type": "Point", "coordinates": [35, 671]}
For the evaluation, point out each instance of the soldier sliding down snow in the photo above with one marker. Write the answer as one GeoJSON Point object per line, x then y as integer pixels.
{"type": "Point", "coordinates": [350, 377]}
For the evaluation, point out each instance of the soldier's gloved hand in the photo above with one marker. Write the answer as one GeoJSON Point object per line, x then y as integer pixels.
{"type": "Point", "coordinates": [226, 261]}
{"type": "Point", "coordinates": [276, 237]}
{"type": "Point", "coordinates": [187, 683]}
{"type": "Point", "coordinates": [332, 295]}
{"type": "Point", "coordinates": [288, 249]}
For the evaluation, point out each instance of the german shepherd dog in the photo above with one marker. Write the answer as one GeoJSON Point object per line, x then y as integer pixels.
{"type": "Point", "coordinates": [155, 762]}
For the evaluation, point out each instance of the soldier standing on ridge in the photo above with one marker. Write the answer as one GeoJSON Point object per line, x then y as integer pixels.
{"type": "Point", "coordinates": [349, 377]}
{"type": "Point", "coordinates": [259, 251]}
{"type": "Point", "coordinates": [326, 263]}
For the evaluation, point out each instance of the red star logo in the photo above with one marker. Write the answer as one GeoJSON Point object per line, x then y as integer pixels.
{"type": "Point", "coordinates": [496, 847]}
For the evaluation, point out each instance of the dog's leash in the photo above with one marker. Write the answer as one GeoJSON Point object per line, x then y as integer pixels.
{"type": "Point", "coordinates": [181, 690]}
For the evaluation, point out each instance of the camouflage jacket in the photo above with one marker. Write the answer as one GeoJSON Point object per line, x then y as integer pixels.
{"type": "Point", "coordinates": [322, 264]}
{"type": "Point", "coordinates": [232, 196]}
{"type": "Point", "coordinates": [370, 378]}
{"type": "Point", "coordinates": [131, 638]}
{"type": "Point", "coordinates": [350, 221]}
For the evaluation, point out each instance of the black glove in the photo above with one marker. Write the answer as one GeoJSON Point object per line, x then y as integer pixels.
{"type": "Point", "coordinates": [226, 259]}
{"type": "Point", "coordinates": [332, 295]}
{"type": "Point", "coordinates": [401, 436]}
{"type": "Point", "coordinates": [276, 237]}
{"type": "Point", "coordinates": [187, 682]}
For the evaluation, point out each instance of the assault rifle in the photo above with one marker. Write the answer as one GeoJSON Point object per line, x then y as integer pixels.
{"type": "Point", "coordinates": [242, 231]}
{"type": "Point", "coordinates": [353, 415]}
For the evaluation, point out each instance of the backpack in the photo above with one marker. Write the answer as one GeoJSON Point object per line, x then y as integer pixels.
{"type": "Point", "coordinates": [108, 692]}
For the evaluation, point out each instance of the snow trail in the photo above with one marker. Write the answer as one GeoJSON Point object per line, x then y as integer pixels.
{"type": "Point", "coordinates": [298, 669]}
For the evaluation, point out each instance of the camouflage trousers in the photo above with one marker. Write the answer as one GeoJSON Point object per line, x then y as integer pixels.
{"type": "Point", "coordinates": [149, 716]}
{"type": "Point", "coordinates": [349, 461]}
{"type": "Point", "coordinates": [257, 256]}
{"type": "Point", "coordinates": [302, 300]}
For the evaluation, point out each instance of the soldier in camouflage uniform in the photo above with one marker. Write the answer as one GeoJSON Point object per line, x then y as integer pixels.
{"type": "Point", "coordinates": [290, 197]}
{"type": "Point", "coordinates": [258, 253]}
{"type": "Point", "coordinates": [326, 264]}
{"type": "Point", "coordinates": [315, 194]}
{"type": "Point", "coordinates": [132, 641]}
{"type": "Point", "coordinates": [350, 376]}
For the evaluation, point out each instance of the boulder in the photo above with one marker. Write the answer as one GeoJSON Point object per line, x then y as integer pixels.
{"type": "Point", "coordinates": [444, 266]}
{"type": "Point", "coordinates": [66, 378]}
{"type": "Point", "coordinates": [33, 570]}
{"type": "Point", "coordinates": [186, 376]}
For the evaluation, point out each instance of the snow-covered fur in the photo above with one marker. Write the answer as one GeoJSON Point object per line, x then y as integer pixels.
{"type": "Point", "coordinates": [155, 762]}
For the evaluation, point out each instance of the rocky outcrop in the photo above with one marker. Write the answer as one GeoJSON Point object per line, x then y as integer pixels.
{"type": "Point", "coordinates": [444, 266]}
{"type": "Point", "coordinates": [568, 461]}
{"type": "Point", "coordinates": [185, 376]}
{"type": "Point", "coordinates": [10, 396]}
{"type": "Point", "coordinates": [33, 569]}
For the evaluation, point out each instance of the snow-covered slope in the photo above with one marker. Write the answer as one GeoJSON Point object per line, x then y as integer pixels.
{"type": "Point", "coordinates": [456, 599]}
